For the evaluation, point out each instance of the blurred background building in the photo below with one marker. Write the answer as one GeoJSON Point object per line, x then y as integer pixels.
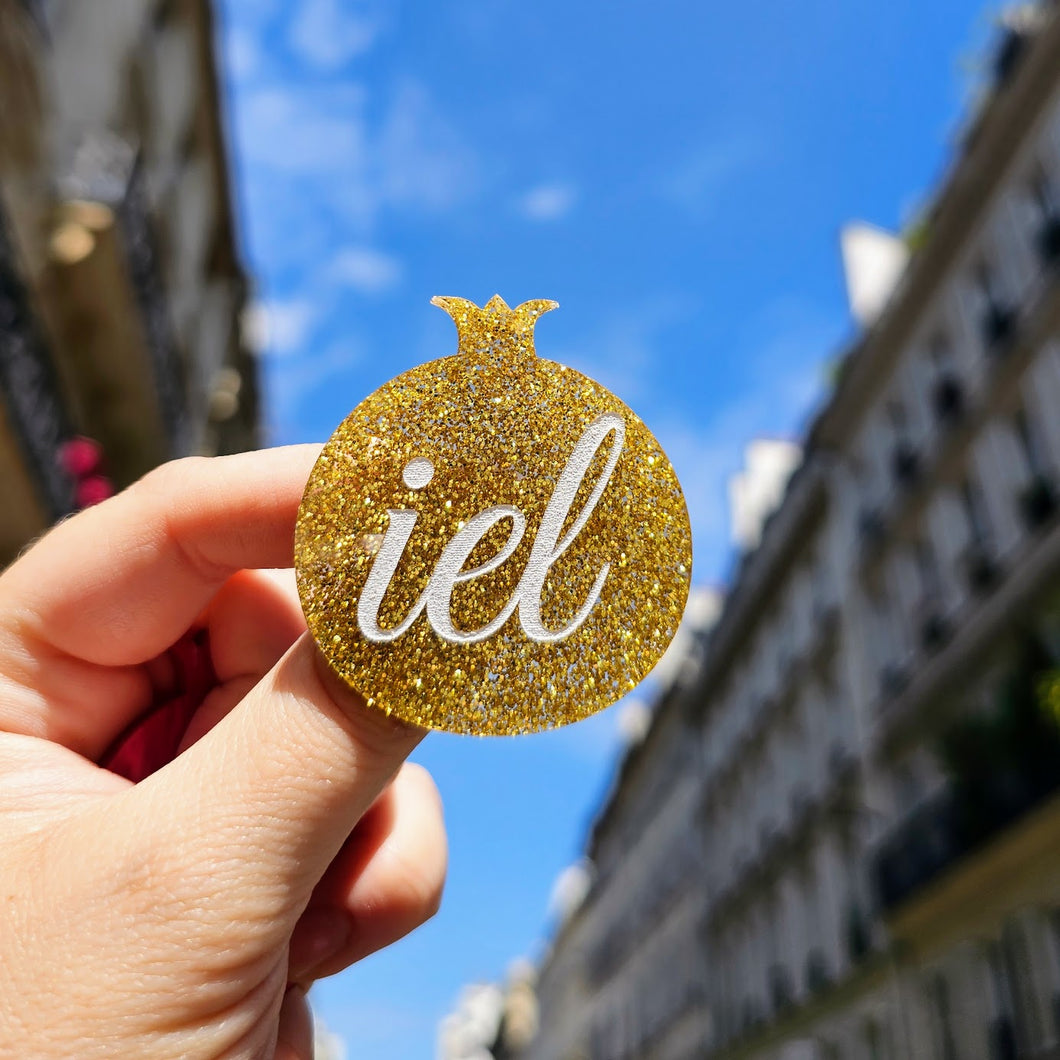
{"type": "Point", "coordinates": [121, 288]}
{"type": "Point", "coordinates": [839, 838]}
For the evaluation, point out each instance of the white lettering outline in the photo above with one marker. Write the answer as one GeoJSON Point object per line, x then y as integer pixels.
{"type": "Point", "coordinates": [448, 572]}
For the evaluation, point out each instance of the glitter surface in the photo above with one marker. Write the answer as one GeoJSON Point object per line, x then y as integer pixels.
{"type": "Point", "coordinates": [492, 425]}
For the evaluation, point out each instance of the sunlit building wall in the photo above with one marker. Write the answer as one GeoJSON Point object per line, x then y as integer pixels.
{"type": "Point", "coordinates": [869, 745]}
{"type": "Point", "coordinates": [121, 288]}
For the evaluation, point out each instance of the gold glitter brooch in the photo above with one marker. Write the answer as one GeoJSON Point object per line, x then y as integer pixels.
{"type": "Point", "coordinates": [493, 543]}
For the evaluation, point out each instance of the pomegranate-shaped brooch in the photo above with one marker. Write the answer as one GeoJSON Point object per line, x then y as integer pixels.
{"type": "Point", "coordinates": [492, 543]}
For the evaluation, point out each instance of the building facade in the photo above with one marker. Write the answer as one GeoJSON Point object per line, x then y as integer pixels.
{"type": "Point", "coordinates": [121, 287]}
{"type": "Point", "coordinates": [840, 839]}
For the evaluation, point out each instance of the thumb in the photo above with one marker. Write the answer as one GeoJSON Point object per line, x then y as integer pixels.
{"type": "Point", "coordinates": [264, 801]}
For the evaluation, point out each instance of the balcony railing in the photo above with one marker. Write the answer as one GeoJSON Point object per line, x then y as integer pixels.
{"type": "Point", "coordinates": [952, 826]}
{"type": "Point", "coordinates": [29, 387]}
{"type": "Point", "coordinates": [145, 273]}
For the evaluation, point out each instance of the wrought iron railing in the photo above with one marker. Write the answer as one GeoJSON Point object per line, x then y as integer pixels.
{"type": "Point", "coordinates": [28, 386]}
{"type": "Point", "coordinates": [145, 273]}
{"type": "Point", "coordinates": [950, 827]}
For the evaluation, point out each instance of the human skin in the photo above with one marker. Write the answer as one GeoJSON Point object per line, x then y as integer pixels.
{"type": "Point", "coordinates": [186, 915]}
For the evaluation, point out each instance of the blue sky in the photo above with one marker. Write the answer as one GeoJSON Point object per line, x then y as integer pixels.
{"type": "Point", "coordinates": [675, 175]}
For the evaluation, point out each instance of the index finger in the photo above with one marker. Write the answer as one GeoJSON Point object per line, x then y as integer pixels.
{"type": "Point", "coordinates": [117, 584]}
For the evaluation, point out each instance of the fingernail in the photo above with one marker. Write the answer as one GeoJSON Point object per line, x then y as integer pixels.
{"type": "Point", "coordinates": [321, 933]}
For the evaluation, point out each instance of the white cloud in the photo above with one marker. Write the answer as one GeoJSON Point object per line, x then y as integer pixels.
{"type": "Point", "coordinates": [780, 358]}
{"type": "Point", "coordinates": [622, 353]}
{"type": "Point", "coordinates": [634, 720]}
{"type": "Point", "coordinates": [701, 612]}
{"type": "Point", "coordinates": [419, 159]}
{"type": "Point", "coordinates": [593, 742]}
{"type": "Point", "coordinates": [329, 33]}
{"type": "Point", "coordinates": [280, 327]}
{"type": "Point", "coordinates": [697, 182]}
{"type": "Point", "coordinates": [783, 382]}
{"type": "Point", "coordinates": [548, 202]}
{"type": "Point", "coordinates": [570, 889]}
{"type": "Point", "coordinates": [291, 380]}
{"type": "Point", "coordinates": [326, 1044]}
{"type": "Point", "coordinates": [241, 53]}
{"type": "Point", "coordinates": [306, 132]}
{"type": "Point", "coordinates": [366, 270]}
{"type": "Point", "coordinates": [318, 159]}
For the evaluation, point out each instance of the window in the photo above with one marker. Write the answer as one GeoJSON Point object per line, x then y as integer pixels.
{"type": "Point", "coordinates": [986, 281]}
{"type": "Point", "coordinates": [947, 395]}
{"type": "Point", "coordinates": [927, 568]}
{"type": "Point", "coordinates": [1031, 444]}
{"type": "Point", "coordinates": [907, 789]}
{"type": "Point", "coordinates": [903, 454]}
{"type": "Point", "coordinates": [163, 15]}
{"type": "Point", "coordinates": [1047, 203]}
{"type": "Point", "coordinates": [1054, 955]}
{"type": "Point", "coordinates": [1002, 1029]}
{"type": "Point", "coordinates": [1018, 969]}
{"type": "Point", "coordinates": [975, 512]}
{"type": "Point", "coordinates": [877, 1042]}
{"type": "Point", "coordinates": [1037, 499]}
{"type": "Point", "coordinates": [942, 1018]}
{"type": "Point", "coordinates": [1043, 193]}
{"type": "Point", "coordinates": [896, 416]}
{"type": "Point", "coordinates": [931, 605]}
{"type": "Point", "coordinates": [941, 353]}
{"type": "Point", "coordinates": [998, 320]}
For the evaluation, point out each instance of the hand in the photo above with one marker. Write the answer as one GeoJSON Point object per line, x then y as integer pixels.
{"type": "Point", "coordinates": [185, 915]}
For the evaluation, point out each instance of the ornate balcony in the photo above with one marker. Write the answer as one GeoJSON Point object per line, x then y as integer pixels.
{"type": "Point", "coordinates": [29, 387]}
{"type": "Point", "coordinates": [950, 827]}
{"type": "Point", "coordinates": [145, 275]}
{"type": "Point", "coordinates": [107, 305]}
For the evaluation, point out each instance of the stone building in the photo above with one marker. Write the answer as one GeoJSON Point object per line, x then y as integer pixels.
{"type": "Point", "coordinates": [121, 287]}
{"type": "Point", "coordinates": [840, 839]}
